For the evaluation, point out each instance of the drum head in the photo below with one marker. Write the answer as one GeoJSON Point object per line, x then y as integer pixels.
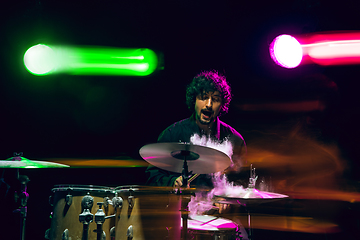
{"type": "Point", "coordinates": [210, 223]}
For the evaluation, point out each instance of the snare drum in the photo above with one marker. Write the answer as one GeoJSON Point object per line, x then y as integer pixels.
{"type": "Point", "coordinates": [147, 213]}
{"type": "Point", "coordinates": [205, 227]}
{"type": "Point", "coordinates": [76, 210]}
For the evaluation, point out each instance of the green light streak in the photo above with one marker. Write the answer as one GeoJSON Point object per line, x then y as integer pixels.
{"type": "Point", "coordinates": [41, 60]}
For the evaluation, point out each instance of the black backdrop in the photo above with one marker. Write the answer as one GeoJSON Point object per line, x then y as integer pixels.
{"type": "Point", "coordinates": [103, 117]}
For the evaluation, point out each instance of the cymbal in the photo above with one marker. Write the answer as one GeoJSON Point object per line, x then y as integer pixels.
{"type": "Point", "coordinates": [250, 196]}
{"type": "Point", "coordinates": [170, 157]}
{"type": "Point", "coordinates": [21, 162]}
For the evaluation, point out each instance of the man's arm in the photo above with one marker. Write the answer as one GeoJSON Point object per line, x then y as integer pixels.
{"type": "Point", "coordinates": [239, 152]}
{"type": "Point", "coordinates": [160, 177]}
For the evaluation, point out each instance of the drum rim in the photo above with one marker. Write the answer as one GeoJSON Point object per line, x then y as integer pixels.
{"type": "Point", "coordinates": [80, 187]}
{"type": "Point", "coordinates": [144, 189]}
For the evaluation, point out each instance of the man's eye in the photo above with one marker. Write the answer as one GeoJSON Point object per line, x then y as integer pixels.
{"type": "Point", "coordinates": [204, 97]}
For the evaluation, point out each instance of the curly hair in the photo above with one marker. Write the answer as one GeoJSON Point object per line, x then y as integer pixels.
{"type": "Point", "coordinates": [209, 81]}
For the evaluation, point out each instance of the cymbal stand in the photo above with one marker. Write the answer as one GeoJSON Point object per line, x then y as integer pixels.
{"type": "Point", "coordinates": [185, 199]}
{"type": "Point", "coordinates": [185, 171]}
{"type": "Point", "coordinates": [23, 196]}
{"type": "Point", "coordinates": [252, 183]}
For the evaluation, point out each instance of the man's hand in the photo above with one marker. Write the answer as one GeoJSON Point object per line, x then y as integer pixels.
{"type": "Point", "coordinates": [223, 208]}
{"type": "Point", "coordinates": [178, 182]}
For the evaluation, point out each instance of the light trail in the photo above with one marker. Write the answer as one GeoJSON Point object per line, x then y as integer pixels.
{"type": "Point", "coordinates": [325, 49]}
{"type": "Point", "coordinates": [42, 60]}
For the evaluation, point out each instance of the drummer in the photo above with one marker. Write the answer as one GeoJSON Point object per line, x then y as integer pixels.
{"type": "Point", "coordinates": [208, 96]}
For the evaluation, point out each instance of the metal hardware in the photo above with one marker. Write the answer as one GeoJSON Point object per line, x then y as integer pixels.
{"type": "Point", "coordinates": [131, 201]}
{"type": "Point", "coordinates": [68, 199]}
{"type": "Point", "coordinates": [51, 200]}
{"type": "Point", "coordinates": [86, 216]}
{"type": "Point", "coordinates": [65, 235]}
{"type": "Point", "coordinates": [253, 177]}
{"type": "Point", "coordinates": [117, 202]}
{"type": "Point", "coordinates": [100, 215]}
{"type": "Point", "coordinates": [47, 233]}
{"type": "Point", "coordinates": [112, 232]}
{"type": "Point", "coordinates": [87, 201]}
{"type": "Point", "coordinates": [107, 202]}
{"type": "Point", "coordinates": [130, 232]}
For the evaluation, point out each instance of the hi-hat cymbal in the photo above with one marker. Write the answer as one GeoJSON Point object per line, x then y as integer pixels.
{"type": "Point", "coordinates": [21, 162]}
{"type": "Point", "coordinates": [170, 157]}
{"type": "Point", "coordinates": [249, 196]}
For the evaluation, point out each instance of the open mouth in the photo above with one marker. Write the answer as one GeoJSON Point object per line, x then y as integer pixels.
{"type": "Point", "coordinates": [207, 114]}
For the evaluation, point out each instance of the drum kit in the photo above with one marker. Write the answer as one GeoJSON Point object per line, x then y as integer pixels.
{"type": "Point", "coordinates": [141, 212]}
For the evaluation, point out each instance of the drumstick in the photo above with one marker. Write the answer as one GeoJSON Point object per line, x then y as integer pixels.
{"type": "Point", "coordinates": [193, 177]}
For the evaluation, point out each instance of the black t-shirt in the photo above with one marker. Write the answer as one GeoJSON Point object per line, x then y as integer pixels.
{"type": "Point", "coordinates": [182, 131]}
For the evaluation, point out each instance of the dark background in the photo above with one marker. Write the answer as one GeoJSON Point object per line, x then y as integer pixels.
{"type": "Point", "coordinates": [112, 117]}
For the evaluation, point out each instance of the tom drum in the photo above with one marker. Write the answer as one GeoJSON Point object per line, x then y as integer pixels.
{"type": "Point", "coordinates": [147, 213]}
{"type": "Point", "coordinates": [82, 212]}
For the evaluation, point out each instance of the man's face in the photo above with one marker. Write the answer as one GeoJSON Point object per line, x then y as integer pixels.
{"type": "Point", "coordinates": [207, 107]}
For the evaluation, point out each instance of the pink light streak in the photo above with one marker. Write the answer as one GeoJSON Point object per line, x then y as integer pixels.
{"type": "Point", "coordinates": [330, 48]}
{"type": "Point", "coordinates": [286, 51]}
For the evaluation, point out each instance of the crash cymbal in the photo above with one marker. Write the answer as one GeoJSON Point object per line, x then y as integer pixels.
{"type": "Point", "coordinates": [170, 157]}
{"type": "Point", "coordinates": [249, 196]}
{"type": "Point", "coordinates": [21, 162]}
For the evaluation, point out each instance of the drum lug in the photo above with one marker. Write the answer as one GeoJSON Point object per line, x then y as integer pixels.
{"type": "Point", "coordinates": [65, 235]}
{"type": "Point", "coordinates": [68, 199]}
{"type": "Point", "coordinates": [51, 201]}
{"type": "Point", "coordinates": [87, 202]}
{"type": "Point", "coordinates": [131, 201]}
{"type": "Point", "coordinates": [100, 215]}
{"type": "Point", "coordinates": [107, 202]}
{"type": "Point", "coordinates": [130, 232]}
{"type": "Point", "coordinates": [112, 233]}
{"type": "Point", "coordinates": [86, 216]}
{"type": "Point", "coordinates": [117, 202]}
{"type": "Point", "coordinates": [47, 234]}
